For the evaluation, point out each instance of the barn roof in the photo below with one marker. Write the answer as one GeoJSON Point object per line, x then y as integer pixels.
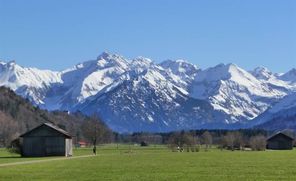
{"type": "Point", "coordinates": [280, 133]}
{"type": "Point", "coordinates": [65, 133]}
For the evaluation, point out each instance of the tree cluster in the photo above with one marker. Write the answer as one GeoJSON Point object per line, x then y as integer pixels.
{"type": "Point", "coordinates": [181, 141]}
{"type": "Point", "coordinates": [230, 140]}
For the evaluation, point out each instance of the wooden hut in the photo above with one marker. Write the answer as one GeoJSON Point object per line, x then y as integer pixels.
{"type": "Point", "coordinates": [81, 144]}
{"type": "Point", "coordinates": [280, 141]}
{"type": "Point", "coordinates": [46, 140]}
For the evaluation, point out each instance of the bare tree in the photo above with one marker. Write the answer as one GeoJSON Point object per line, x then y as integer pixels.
{"type": "Point", "coordinates": [95, 131]}
{"type": "Point", "coordinates": [207, 139]}
{"type": "Point", "coordinates": [175, 142]}
{"type": "Point", "coordinates": [258, 143]}
{"type": "Point", "coordinates": [233, 140]}
{"type": "Point", "coordinates": [239, 140]}
{"type": "Point", "coordinates": [197, 141]}
{"type": "Point", "coordinates": [178, 141]}
{"type": "Point", "coordinates": [229, 140]}
{"type": "Point", "coordinates": [8, 130]}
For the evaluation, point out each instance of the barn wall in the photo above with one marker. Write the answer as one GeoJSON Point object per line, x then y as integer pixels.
{"type": "Point", "coordinates": [46, 141]}
{"type": "Point", "coordinates": [280, 142]}
{"type": "Point", "coordinates": [69, 151]}
{"type": "Point", "coordinates": [43, 146]}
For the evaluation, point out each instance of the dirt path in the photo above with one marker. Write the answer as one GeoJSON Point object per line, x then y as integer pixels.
{"type": "Point", "coordinates": [44, 160]}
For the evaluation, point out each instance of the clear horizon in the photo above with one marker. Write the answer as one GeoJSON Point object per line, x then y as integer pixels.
{"type": "Point", "coordinates": [56, 34]}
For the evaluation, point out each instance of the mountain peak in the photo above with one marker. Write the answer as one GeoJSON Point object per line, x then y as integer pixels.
{"type": "Point", "coordinates": [104, 55]}
{"type": "Point", "coordinates": [292, 71]}
{"type": "Point", "coordinates": [143, 60]}
{"type": "Point", "coordinates": [262, 73]}
{"type": "Point", "coordinates": [11, 63]}
{"type": "Point", "coordinates": [109, 56]}
{"type": "Point", "coordinates": [140, 64]}
{"type": "Point", "coordinates": [180, 67]}
{"type": "Point", "coordinates": [219, 72]}
{"type": "Point", "coordinates": [225, 67]}
{"type": "Point", "coordinates": [108, 59]}
{"type": "Point", "coordinates": [260, 69]}
{"type": "Point", "coordinates": [289, 76]}
{"type": "Point", "coordinates": [178, 62]}
{"type": "Point", "coordinates": [231, 66]}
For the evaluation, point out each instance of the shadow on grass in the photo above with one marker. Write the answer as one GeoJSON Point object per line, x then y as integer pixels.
{"type": "Point", "coordinates": [8, 157]}
{"type": "Point", "coordinates": [30, 157]}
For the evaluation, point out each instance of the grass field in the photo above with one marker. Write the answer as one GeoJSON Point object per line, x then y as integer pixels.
{"type": "Point", "coordinates": [156, 163]}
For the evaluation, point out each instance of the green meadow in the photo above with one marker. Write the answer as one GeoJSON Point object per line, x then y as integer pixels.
{"type": "Point", "coordinates": [154, 163]}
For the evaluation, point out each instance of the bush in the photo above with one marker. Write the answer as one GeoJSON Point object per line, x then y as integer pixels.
{"type": "Point", "coordinates": [15, 147]}
{"type": "Point", "coordinates": [143, 143]}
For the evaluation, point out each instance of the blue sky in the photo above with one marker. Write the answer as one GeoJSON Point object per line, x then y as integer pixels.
{"type": "Point", "coordinates": [56, 34]}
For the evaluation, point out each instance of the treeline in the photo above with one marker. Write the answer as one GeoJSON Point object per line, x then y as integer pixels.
{"type": "Point", "coordinates": [194, 140]}
{"type": "Point", "coordinates": [18, 115]}
{"type": "Point", "coordinates": [230, 140]}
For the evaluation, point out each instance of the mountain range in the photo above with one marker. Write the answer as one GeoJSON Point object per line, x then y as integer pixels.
{"type": "Point", "coordinates": [141, 95]}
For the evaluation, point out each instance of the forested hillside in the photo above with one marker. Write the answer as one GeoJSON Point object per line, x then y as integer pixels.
{"type": "Point", "coordinates": [18, 115]}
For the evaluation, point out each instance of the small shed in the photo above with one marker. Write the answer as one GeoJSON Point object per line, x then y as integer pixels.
{"type": "Point", "coordinates": [46, 140]}
{"type": "Point", "coordinates": [81, 144]}
{"type": "Point", "coordinates": [280, 141]}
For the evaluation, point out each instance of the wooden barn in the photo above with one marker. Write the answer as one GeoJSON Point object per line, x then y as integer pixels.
{"type": "Point", "coordinates": [280, 141]}
{"type": "Point", "coordinates": [46, 140]}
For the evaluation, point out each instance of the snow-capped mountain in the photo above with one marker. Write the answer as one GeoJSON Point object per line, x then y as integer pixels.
{"type": "Point", "coordinates": [140, 95]}
{"type": "Point", "coordinates": [85, 80]}
{"type": "Point", "coordinates": [234, 91]}
{"type": "Point", "coordinates": [30, 83]}
{"type": "Point", "coordinates": [274, 80]}
{"type": "Point", "coordinates": [149, 101]}
{"type": "Point", "coordinates": [181, 68]}
{"type": "Point", "coordinates": [262, 73]}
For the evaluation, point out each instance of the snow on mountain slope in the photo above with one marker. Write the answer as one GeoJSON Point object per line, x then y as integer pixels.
{"type": "Point", "coordinates": [141, 95]}
{"type": "Point", "coordinates": [180, 72]}
{"type": "Point", "coordinates": [266, 76]}
{"type": "Point", "coordinates": [86, 79]}
{"type": "Point", "coordinates": [147, 101]}
{"type": "Point", "coordinates": [235, 91]}
{"type": "Point", "coordinates": [181, 68]}
{"type": "Point", "coordinates": [30, 83]}
{"type": "Point", "coordinates": [15, 76]}
{"type": "Point", "coordinates": [262, 73]}
{"type": "Point", "coordinates": [140, 64]}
